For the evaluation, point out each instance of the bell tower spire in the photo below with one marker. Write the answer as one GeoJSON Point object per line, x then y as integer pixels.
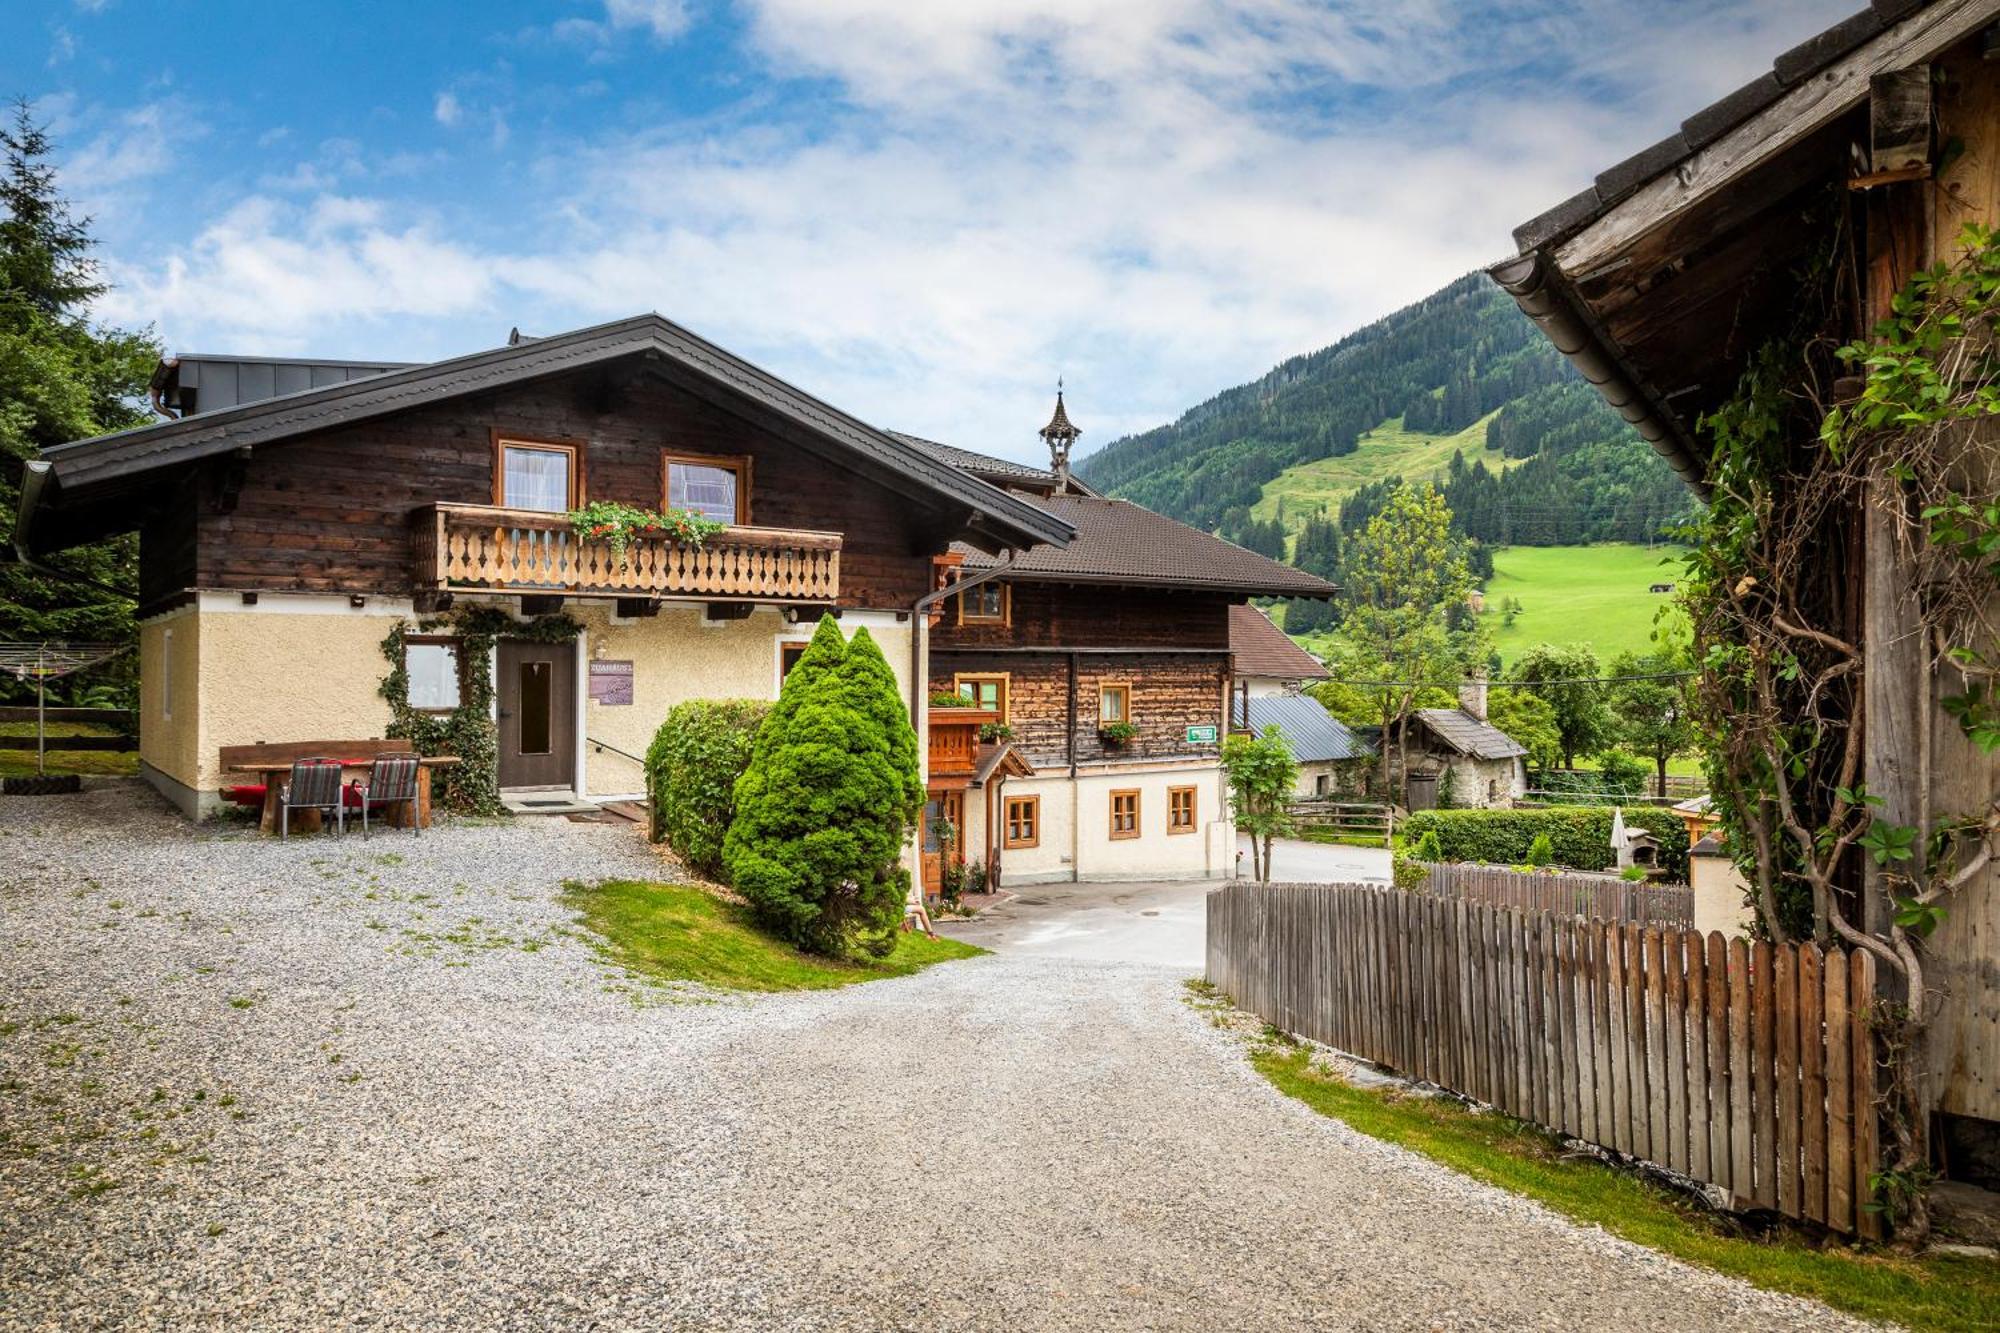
{"type": "Point", "coordinates": [1059, 435]}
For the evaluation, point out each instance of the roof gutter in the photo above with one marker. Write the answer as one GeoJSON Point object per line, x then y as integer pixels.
{"type": "Point", "coordinates": [35, 474]}
{"type": "Point", "coordinates": [1536, 286]}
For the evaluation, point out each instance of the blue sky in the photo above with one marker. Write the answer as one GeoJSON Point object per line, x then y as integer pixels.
{"type": "Point", "coordinates": [922, 210]}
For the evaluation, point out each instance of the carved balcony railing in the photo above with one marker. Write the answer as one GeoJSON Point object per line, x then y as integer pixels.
{"type": "Point", "coordinates": [483, 548]}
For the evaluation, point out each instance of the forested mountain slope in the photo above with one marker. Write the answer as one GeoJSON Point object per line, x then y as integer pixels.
{"type": "Point", "coordinates": [1575, 472]}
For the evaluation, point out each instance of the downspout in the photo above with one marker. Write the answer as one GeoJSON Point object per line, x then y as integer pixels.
{"type": "Point", "coordinates": [35, 475]}
{"type": "Point", "coordinates": [1075, 796]}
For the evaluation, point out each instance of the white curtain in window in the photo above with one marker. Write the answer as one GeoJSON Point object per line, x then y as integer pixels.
{"type": "Point", "coordinates": [537, 479]}
{"type": "Point", "coordinates": [433, 671]}
{"type": "Point", "coordinates": [708, 491]}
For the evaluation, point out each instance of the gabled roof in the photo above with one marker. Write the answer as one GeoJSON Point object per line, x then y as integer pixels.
{"type": "Point", "coordinates": [1119, 542]}
{"type": "Point", "coordinates": [1314, 735]}
{"type": "Point", "coordinates": [1658, 280]}
{"type": "Point", "coordinates": [1259, 648]}
{"type": "Point", "coordinates": [109, 458]}
{"type": "Point", "coordinates": [1459, 730]}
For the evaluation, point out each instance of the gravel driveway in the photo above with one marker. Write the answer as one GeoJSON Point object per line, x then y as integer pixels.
{"type": "Point", "coordinates": [322, 1083]}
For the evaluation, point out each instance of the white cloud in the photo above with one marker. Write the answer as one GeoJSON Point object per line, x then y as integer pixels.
{"type": "Point", "coordinates": [447, 110]}
{"type": "Point", "coordinates": [274, 276]}
{"type": "Point", "coordinates": [1157, 198]}
{"type": "Point", "coordinates": [662, 18]}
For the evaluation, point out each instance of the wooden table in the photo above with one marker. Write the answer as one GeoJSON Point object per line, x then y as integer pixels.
{"type": "Point", "coordinates": [273, 776]}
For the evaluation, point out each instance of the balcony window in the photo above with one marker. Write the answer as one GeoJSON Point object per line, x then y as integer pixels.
{"type": "Point", "coordinates": [714, 487]}
{"type": "Point", "coordinates": [985, 691]}
{"type": "Point", "coordinates": [537, 476]}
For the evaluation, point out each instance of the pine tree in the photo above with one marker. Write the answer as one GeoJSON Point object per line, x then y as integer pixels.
{"type": "Point", "coordinates": [61, 378]}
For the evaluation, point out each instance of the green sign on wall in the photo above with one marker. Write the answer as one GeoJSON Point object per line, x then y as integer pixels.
{"type": "Point", "coordinates": [1202, 735]}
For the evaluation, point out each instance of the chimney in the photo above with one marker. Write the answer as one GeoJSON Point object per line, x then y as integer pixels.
{"type": "Point", "coordinates": [1059, 435]}
{"type": "Point", "coordinates": [1472, 694]}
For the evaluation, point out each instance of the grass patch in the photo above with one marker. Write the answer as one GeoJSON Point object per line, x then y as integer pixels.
{"type": "Point", "coordinates": [676, 933]}
{"type": "Point", "coordinates": [90, 763]}
{"type": "Point", "coordinates": [1931, 1293]}
{"type": "Point", "coordinates": [1579, 594]}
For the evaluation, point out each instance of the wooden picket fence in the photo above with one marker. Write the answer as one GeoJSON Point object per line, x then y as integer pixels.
{"type": "Point", "coordinates": [1606, 897]}
{"type": "Point", "coordinates": [1747, 1066]}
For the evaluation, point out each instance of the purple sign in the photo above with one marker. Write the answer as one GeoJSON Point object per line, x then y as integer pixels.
{"type": "Point", "coordinates": [611, 682]}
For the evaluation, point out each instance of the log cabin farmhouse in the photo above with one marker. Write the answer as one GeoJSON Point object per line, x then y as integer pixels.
{"type": "Point", "coordinates": [294, 515]}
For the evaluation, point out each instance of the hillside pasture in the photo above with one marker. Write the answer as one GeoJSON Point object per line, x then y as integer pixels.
{"type": "Point", "coordinates": [1579, 594]}
{"type": "Point", "coordinates": [1387, 450]}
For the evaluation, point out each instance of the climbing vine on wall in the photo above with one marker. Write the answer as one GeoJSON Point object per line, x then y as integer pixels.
{"type": "Point", "coordinates": [1894, 433]}
{"type": "Point", "coordinates": [468, 731]}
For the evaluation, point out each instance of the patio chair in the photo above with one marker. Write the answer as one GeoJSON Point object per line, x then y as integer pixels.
{"type": "Point", "coordinates": [314, 785]}
{"type": "Point", "coordinates": [391, 781]}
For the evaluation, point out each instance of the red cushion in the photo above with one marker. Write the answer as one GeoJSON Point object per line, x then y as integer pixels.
{"type": "Point", "coordinates": [245, 795]}
{"type": "Point", "coordinates": [351, 795]}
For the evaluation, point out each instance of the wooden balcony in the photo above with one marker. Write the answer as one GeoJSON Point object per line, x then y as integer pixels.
{"type": "Point", "coordinates": [483, 548]}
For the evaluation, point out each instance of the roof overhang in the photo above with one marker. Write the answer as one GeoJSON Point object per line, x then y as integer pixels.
{"type": "Point", "coordinates": [127, 458]}
{"type": "Point", "coordinates": [1658, 281]}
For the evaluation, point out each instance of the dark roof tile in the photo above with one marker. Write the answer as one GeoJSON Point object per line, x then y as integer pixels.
{"type": "Point", "coordinates": [1259, 648]}
{"type": "Point", "coordinates": [1822, 48]}
{"type": "Point", "coordinates": [1616, 181]}
{"type": "Point", "coordinates": [1119, 542]}
{"type": "Point", "coordinates": [1579, 208]}
{"type": "Point", "coordinates": [1468, 735]}
{"type": "Point", "coordinates": [1716, 119]}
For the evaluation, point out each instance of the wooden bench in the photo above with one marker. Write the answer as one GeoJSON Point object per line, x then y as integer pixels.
{"type": "Point", "coordinates": [272, 762]}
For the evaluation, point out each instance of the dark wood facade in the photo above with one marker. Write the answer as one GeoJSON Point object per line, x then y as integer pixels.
{"type": "Point", "coordinates": [330, 511]}
{"type": "Point", "coordinates": [1172, 659]}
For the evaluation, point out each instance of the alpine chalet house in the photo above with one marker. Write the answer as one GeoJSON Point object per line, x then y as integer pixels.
{"type": "Point", "coordinates": [1100, 675]}
{"type": "Point", "coordinates": [293, 514]}
{"type": "Point", "coordinates": [1782, 220]}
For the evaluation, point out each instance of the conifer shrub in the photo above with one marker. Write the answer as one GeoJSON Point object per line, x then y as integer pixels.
{"type": "Point", "coordinates": [691, 770]}
{"type": "Point", "coordinates": [827, 801]}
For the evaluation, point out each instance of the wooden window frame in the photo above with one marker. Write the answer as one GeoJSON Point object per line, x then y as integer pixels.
{"type": "Point", "coordinates": [1105, 687]}
{"type": "Point", "coordinates": [504, 440]}
{"type": "Point", "coordinates": [1006, 680]}
{"type": "Point", "coordinates": [740, 464]}
{"type": "Point", "coordinates": [1006, 617]}
{"type": "Point", "coordinates": [793, 648]}
{"type": "Point", "coordinates": [1193, 798]}
{"type": "Point", "coordinates": [1034, 821]}
{"type": "Point", "coordinates": [1132, 832]}
{"type": "Point", "coordinates": [457, 646]}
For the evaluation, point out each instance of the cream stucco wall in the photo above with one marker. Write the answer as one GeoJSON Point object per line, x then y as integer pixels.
{"type": "Point", "coordinates": [1076, 841]}
{"type": "Point", "coordinates": [679, 655]}
{"type": "Point", "coordinates": [288, 668]}
{"type": "Point", "coordinates": [170, 727]}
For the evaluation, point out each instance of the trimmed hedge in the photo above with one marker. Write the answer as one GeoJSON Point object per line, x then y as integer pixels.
{"type": "Point", "coordinates": [691, 771]}
{"type": "Point", "coordinates": [1579, 836]}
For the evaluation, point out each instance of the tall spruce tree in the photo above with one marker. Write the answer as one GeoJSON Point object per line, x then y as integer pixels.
{"type": "Point", "coordinates": [824, 808]}
{"type": "Point", "coordinates": [62, 377]}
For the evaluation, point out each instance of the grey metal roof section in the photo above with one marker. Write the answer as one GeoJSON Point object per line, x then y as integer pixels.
{"type": "Point", "coordinates": [1000, 471]}
{"type": "Point", "coordinates": [197, 382]}
{"type": "Point", "coordinates": [1469, 736]}
{"type": "Point", "coordinates": [1315, 735]}
{"type": "Point", "coordinates": [107, 457]}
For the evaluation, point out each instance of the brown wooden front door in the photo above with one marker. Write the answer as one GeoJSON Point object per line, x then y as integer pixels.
{"type": "Point", "coordinates": [944, 836]}
{"type": "Point", "coordinates": [536, 687]}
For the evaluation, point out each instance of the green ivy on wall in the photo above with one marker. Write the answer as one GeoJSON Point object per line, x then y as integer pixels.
{"type": "Point", "coordinates": [468, 731]}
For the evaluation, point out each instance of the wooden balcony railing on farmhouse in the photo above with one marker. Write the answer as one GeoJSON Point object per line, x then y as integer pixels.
{"type": "Point", "coordinates": [483, 548]}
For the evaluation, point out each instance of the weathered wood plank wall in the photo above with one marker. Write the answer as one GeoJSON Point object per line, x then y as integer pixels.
{"type": "Point", "coordinates": [1746, 1066]}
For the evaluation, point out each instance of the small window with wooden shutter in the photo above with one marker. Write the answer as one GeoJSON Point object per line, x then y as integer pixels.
{"type": "Point", "coordinates": [1124, 814]}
